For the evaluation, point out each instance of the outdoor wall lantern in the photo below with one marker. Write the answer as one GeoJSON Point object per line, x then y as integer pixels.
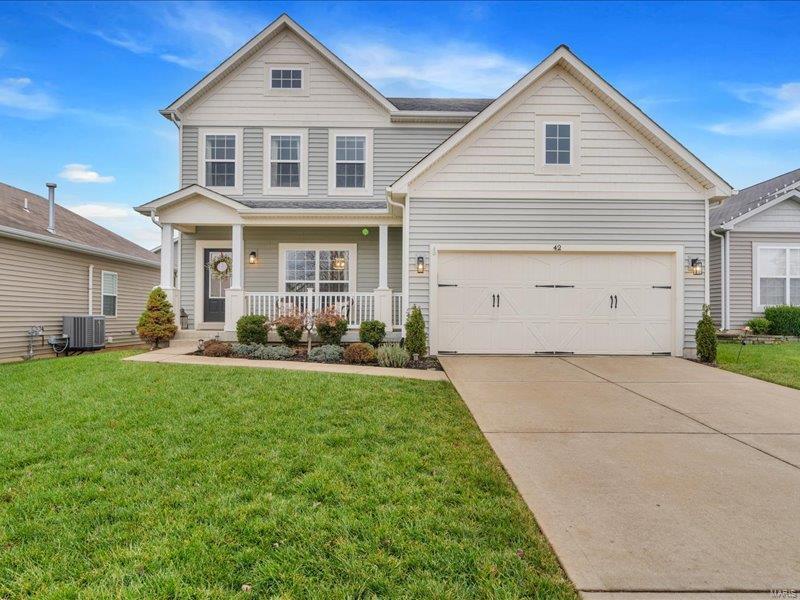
{"type": "Point", "coordinates": [339, 263]}
{"type": "Point", "coordinates": [253, 257]}
{"type": "Point", "coordinates": [420, 264]}
{"type": "Point", "coordinates": [696, 266]}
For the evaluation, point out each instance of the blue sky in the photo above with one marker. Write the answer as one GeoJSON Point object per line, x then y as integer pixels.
{"type": "Point", "coordinates": [81, 84]}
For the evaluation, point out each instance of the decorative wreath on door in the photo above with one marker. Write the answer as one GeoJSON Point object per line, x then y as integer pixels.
{"type": "Point", "coordinates": [221, 267]}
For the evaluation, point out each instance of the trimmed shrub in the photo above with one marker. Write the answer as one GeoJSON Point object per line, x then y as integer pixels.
{"type": "Point", "coordinates": [290, 328]}
{"type": "Point", "coordinates": [157, 322]}
{"type": "Point", "coordinates": [759, 325]}
{"type": "Point", "coordinates": [326, 354]}
{"type": "Point", "coordinates": [416, 339]}
{"type": "Point", "coordinates": [783, 320]}
{"type": "Point", "coordinates": [372, 332]}
{"type": "Point", "coordinates": [359, 354]}
{"type": "Point", "coordinates": [216, 348]}
{"type": "Point", "coordinates": [330, 325]}
{"type": "Point", "coordinates": [262, 352]}
{"type": "Point", "coordinates": [392, 355]}
{"type": "Point", "coordinates": [252, 329]}
{"type": "Point", "coordinates": [706, 337]}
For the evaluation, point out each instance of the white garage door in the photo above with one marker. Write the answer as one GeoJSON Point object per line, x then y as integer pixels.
{"type": "Point", "coordinates": [524, 303]}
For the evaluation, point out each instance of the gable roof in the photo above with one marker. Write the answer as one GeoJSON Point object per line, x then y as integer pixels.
{"type": "Point", "coordinates": [742, 206]}
{"type": "Point", "coordinates": [279, 25]}
{"type": "Point", "coordinates": [563, 57]}
{"type": "Point", "coordinates": [72, 232]}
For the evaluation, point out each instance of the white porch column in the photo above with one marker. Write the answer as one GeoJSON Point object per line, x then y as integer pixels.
{"type": "Point", "coordinates": [383, 295]}
{"type": "Point", "coordinates": [234, 295]}
{"type": "Point", "coordinates": [168, 271]}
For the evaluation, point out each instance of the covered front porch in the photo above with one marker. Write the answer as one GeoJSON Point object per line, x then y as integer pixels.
{"type": "Point", "coordinates": [275, 270]}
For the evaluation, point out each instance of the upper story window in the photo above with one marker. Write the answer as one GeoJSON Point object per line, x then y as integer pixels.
{"type": "Point", "coordinates": [351, 162]}
{"type": "Point", "coordinates": [777, 276]}
{"type": "Point", "coordinates": [286, 79]}
{"type": "Point", "coordinates": [285, 162]}
{"type": "Point", "coordinates": [221, 160]}
{"type": "Point", "coordinates": [557, 138]}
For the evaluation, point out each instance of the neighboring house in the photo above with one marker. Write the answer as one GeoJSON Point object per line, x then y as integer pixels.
{"type": "Point", "coordinates": [755, 250]}
{"type": "Point", "coordinates": [555, 218]}
{"type": "Point", "coordinates": [58, 263]}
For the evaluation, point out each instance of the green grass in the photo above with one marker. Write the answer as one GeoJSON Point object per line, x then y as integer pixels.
{"type": "Point", "coordinates": [136, 480]}
{"type": "Point", "coordinates": [778, 363]}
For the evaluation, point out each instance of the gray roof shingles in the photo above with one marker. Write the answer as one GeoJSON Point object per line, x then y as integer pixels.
{"type": "Point", "coordinates": [314, 204]}
{"type": "Point", "coordinates": [69, 226]}
{"type": "Point", "coordinates": [752, 197]}
{"type": "Point", "coordinates": [442, 104]}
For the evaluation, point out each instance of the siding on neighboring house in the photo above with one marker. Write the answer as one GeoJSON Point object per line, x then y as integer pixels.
{"type": "Point", "coordinates": [263, 276]}
{"type": "Point", "coordinates": [741, 286]}
{"type": "Point", "coordinates": [715, 278]}
{"type": "Point", "coordinates": [499, 159]}
{"type": "Point", "coordinates": [503, 221]}
{"type": "Point", "coordinates": [784, 216]}
{"type": "Point", "coordinates": [396, 149]}
{"type": "Point", "coordinates": [50, 283]}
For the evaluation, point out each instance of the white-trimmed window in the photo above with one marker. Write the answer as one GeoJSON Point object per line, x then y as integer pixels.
{"type": "Point", "coordinates": [324, 268]}
{"type": "Point", "coordinates": [287, 79]}
{"type": "Point", "coordinates": [221, 160]}
{"type": "Point", "coordinates": [286, 164]}
{"type": "Point", "coordinates": [350, 154]}
{"type": "Point", "coordinates": [108, 284]}
{"type": "Point", "coordinates": [557, 142]}
{"type": "Point", "coordinates": [776, 276]}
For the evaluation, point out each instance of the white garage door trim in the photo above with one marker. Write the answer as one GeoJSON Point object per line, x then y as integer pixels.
{"type": "Point", "coordinates": [676, 251]}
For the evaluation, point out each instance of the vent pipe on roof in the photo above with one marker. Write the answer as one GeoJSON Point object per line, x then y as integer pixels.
{"type": "Point", "coordinates": [51, 196]}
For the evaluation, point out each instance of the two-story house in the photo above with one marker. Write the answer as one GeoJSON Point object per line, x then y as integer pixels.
{"type": "Point", "coordinates": [557, 217]}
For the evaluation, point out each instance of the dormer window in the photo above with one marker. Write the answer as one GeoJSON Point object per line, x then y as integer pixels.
{"type": "Point", "coordinates": [557, 138]}
{"type": "Point", "coordinates": [286, 79]}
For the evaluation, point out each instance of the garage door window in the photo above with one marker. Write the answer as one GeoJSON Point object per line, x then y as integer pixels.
{"type": "Point", "coordinates": [778, 276]}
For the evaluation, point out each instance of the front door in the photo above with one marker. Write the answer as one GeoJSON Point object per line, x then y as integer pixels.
{"type": "Point", "coordinates": [214, 288]}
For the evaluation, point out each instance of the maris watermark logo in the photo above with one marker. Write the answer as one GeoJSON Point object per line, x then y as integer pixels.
{"type": "Point", "coordinates": [788, 593]}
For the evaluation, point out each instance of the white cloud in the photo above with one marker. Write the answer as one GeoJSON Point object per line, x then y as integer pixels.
{"type": "Point", "coordinates": [18, 96]}
{"type": "Point", "coordinates": [778, 110]}
{"type": "Point", "coordinates": [102, 211]}
{"type": "Point", "coordinates": [79, 173]}
{"type": "Point", "coordinates": [454, 69]}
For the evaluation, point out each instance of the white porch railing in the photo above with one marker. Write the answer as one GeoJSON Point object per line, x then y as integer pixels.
{"type": "Point", "coordinates": [356, 307]}
{"type": "Point", "coordinates": [397, 311]}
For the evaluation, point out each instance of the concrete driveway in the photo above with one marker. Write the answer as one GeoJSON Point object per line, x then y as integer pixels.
{"type": "Point", "coordinates": [649, 476]}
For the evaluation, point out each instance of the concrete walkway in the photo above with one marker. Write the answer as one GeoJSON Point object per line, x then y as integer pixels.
{"type": "Point", "coordinates": [180, 353]}
{"type": "Point", "coordinates": [651, 477]}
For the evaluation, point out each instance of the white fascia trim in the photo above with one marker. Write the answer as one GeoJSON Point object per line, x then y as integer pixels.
{"type": "Point", "coordinates": [268, 190]}
{"type": "Point", "coordinates": [353, 266]}
{"type": "Point", "coordinates": [62, 244]}
{"type": "Point", "coordinates": [278, 25]}
{"type": "Point", "coordinates": [791, 195]}
{"type": "Point", "coordinates": [238, 133]}
{"type": "Point", "coordinates": [678, 275]}
{"type": "Point", "coordinates": [369, 160]}
{"type": "Point", "coordinates": [716, 186]}
{"type": "Point", "coordinates": [187, 192]}
{"type": "Point", "coordinates": [200, 279]}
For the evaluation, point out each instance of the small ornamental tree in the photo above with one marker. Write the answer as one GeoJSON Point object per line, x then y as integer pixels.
{"type": "Point", "coordinates": [706, 337]}
{"type": "Point", "coordinates": [331, 326]}
{"type": "Point", "coordinates": [157, 322]}
{"type": "Point", "coordinates": [416, 338]}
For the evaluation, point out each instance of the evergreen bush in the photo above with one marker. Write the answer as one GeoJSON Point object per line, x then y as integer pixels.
{"type": "Point", "coordinates": [157, 322]}
{"type": "Point", "coordinates": [416, 341]}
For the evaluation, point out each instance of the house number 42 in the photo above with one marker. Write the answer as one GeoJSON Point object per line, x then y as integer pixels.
{"type": "Point", "coordinates": [557, 248]}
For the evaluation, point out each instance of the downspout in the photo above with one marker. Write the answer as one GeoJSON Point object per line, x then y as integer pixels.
{"type": "Point", "coordinates": [91, 289]}
{"type": "Point", "coordinates": [727, 235]}
{"type": "Point", "coordinates": [404, 272]}
{"type": "Point", "coordinates": [723, 279]}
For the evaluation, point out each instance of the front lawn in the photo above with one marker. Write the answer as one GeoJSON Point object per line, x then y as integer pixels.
{"type": "Point", "coordinates": [122, 479]}
{"type": "Point", "coordinates": [778, 363]}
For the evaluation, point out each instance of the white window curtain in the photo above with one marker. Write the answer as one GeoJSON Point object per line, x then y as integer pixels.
{"type": "Point", "coordinates": [109, 292]}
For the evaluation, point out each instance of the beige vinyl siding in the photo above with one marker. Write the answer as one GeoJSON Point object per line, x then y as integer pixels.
{"type": "Point", "coordinates": [499, 159]}
{"type": "Point", "coordinates": [332, 99]}
{"type": "Point", "coordinates": [263, 276]}
{"type": "Point", "coordinates": [43, 284]}
{"type": "Point", "coordinates": [503, 221]}
{"type": "Point", "coordinates": [396, 149]}
{"type": "Point", "coordinates": [715, 278]}
{"type": "Point", "coordinates": [741, 245]}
